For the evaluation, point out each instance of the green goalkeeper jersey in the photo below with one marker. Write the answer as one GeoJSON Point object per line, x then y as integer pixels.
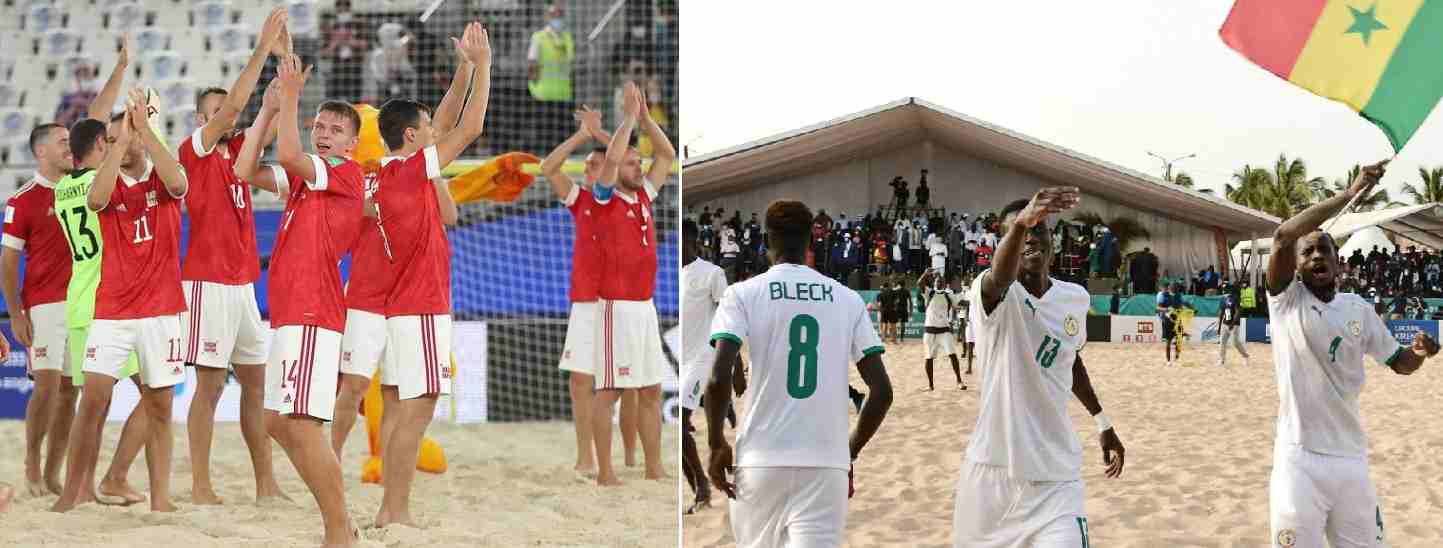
{"type": "Point", "coordinates": [82, 231]}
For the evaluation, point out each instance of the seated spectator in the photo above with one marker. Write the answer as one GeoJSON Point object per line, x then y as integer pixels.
{"type": "Point", "coordinates": [75, 102]}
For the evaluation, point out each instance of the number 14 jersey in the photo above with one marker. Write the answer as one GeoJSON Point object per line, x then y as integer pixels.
{"type": "Point", "coordinates": [803, 331]}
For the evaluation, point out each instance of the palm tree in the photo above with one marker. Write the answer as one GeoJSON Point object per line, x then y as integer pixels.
{"type": "Point", "coordinates": [1282, 192]}
{"type": "Point", "coordinates": [1430, 191]}
{"type": "Point", "coordinates": [1376, 200]}
{"type": "Point", "coordinates": [1247, 192]}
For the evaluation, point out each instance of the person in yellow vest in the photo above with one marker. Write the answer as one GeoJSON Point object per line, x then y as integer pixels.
{"type": "Point", "coordinates": [550, 58]}
{"type": "Point", "coordinates": [1249, 297]}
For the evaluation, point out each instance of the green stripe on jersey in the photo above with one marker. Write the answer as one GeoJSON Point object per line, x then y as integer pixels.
{"type": "Point", "coordinates": [726, 337]}
{"type": "Point", "coordinates": [82, 231]}
{"type": "Point", "coordinates": [874, 350]}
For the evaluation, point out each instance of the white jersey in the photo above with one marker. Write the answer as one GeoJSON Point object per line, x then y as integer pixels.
{"type": "Point", "coordinates": [1318, 352]}
{"type": "Point", "coordinates": [939, 308]}
{"type": "Point", "coordinates": [803, 331]}
{"type": "Point", "coordinates": [1026, 347]}
{"type": "Point", "coordinates": [702, 285]}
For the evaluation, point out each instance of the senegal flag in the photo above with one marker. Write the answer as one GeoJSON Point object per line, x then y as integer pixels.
{"type": "Point", "coordinates": [1383, 58]}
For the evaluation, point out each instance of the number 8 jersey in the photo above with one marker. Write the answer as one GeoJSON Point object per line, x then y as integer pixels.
{"type": "Point", "coordinates": [1027, 346]}
{"type": "Point", "coordinates": [803, 331]}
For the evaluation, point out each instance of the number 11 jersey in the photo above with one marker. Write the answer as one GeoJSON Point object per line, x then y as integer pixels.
{"type": "Point", "coordinates": [803, 331]}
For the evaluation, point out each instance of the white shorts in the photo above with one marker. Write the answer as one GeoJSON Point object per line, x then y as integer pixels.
{"type": "Point", "coordinates": [693, 384]}
{"type": "Point", "coordinates": [794, 507]}
{"type": "Point", "coordinates": [939, 263]}
{"type": "Point", "coordinates": [1315, 496]}
{"type": "Point", "coordinates": [302, 371]}
{"type": "Point", "coordinates": [156, 341]}
{"type": "Point", "coordinates": [418, 355]}
{"type": "Point", "coordinates": [223, 325]}
{"type": "Point", "coordinates": [583, 329]}
{"type": "Point", "coordinates": [992, 510]}
{"type": "Point", "coordinates": [47, 345]}
{"type": "Point", "coordinates": [630, 345]}
{"type": "Point", "coordinates": [971, 332]}
{"type": "Point", "coordinates": [364, 343]}
{"type": "Point", "coordinates": [939, 344]}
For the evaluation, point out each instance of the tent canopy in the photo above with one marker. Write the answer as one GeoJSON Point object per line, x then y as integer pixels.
{"type": "Point", "coordinates": [1421, 223]}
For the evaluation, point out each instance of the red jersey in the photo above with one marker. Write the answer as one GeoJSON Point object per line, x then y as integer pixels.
{"type": "Point", "coordinates": [586, 250]}
{"type": "Point", "coordinates": [410, 219]}
{"type": "Point", "coordinates": [370, 281]}
{"type": "Point", "coordinates": [629, 250]}
{"type": "Point", "coordinates": [140, 266]}
{"type": "Point", "coordinates": [31, 228]}
{"type": "Point", "coordinates": [222, 246]}
{"type": "Point", "coordinates": [319, 226]}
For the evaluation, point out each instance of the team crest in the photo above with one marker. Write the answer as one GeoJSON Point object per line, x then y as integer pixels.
{"type": "Point", "coordinates": [40, 351]}
{"type": "Point", "coordinates": [90, 352]}
{"type": "Point", "coordinates": [1286, 538]}
{"type": "Point", "coordinates": [566, 355]}
{"type": "Point", "coordinates": [346, 357]}
{"type": "Point", "coordinates": [624, 371]}
{"type": "Point", "coordinates": [445, 372]}
{"type": "Point", "coordinates": [1355, 328]}
{"type": "Point", "coordinates": [210, 347]}
{"type": "Point", "coordinates": [1069, 325]}
{"type": "Point", "coordinates": [150, 200]}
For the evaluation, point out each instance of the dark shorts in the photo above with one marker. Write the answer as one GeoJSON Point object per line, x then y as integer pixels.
{"type": "Point", "coordinates": [1168, 329]}
{"type": "Point", "coordinates": [889, 317]}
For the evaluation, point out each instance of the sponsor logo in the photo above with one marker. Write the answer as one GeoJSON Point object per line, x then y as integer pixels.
{"type": "Point", "coordinates": [1069, 325]}
{"type": "Point", "coordinates": [1286, 538]}
{"type": "Point", "coordinates": [1355, 328]}
{"type": "Point", "coordinates": [209, 347]}
{"type": "Point", "coordinates": [1144, 327]}
{"type": "Point", "coordinates": [40, 351]}
{"type": "Point", "coordinates": [446, 372]}
{"type": "Point", "coordinates": [623, 371]}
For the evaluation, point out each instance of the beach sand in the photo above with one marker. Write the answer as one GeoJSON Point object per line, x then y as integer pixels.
{"type": "Point", "coordinates": [507, 485]}
{"type": "Point", "coordinates": [1199, 452]}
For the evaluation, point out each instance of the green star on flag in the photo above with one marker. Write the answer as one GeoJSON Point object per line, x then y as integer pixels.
{"type": "Point", "coordinates": [1365, 22]}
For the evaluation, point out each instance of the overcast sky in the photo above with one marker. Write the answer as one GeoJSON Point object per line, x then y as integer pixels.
{"type": "Point", "coordinates": [1110, 79]}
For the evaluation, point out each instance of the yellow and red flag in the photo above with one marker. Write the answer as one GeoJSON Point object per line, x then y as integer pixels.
{"type": "Point", "coordinates": [1379, 57]}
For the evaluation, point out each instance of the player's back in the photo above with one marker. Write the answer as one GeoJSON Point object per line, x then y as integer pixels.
{"type": "Point", "coordinates": [803, 332]}
{"type": "Point", "coordinates": [410, 221]}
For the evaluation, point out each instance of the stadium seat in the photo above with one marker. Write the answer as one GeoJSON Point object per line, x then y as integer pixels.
{"type": "Point", "coordinates": [176, 92]}
{"type": "Point", "coordinates": [17, 153]}
{"type": "Point", "coordinates": [60, 42]}
{"type": "Point", "coordinates": [232, 38]}
{"type": "Point", "coordinates": [151, 39]}
{"type": "Point", "coordinates": [126, 16]}
{"type": "Point", "coordinates": [162, 65]}
{"type": "Point", "coordinates": [232, 63]}
{"type": "Point", "coordinates": [179, 122]}
{"type": "Point", "coordinates": [42, 18]}
{"type": "Point", "coordinates": [15, 125]}
{"type": "Point", "coordinates": [211, 14]}
{"type": "Point", "coordinates": [304, 18]}
{"type": "Point", "coordinates": [10, 95]}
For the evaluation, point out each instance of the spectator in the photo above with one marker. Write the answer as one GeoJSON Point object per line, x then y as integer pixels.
{"type": "Point", "coordinates": [899, 193]}
{"type": "Point", "coordinates": [549, 59]}
{"type": "Point", "coordinates": [729, 247]}
{"type": "Point", "coordinates": [937, 251]}
{"type": "Point", "coordinates": [344, 47]}
{"type": "Point", "coordinates": [1144, 271]}
{"type": "Point", "coordinates": [1397, 308]}
{"type": "Point", "coordinates": [75, 103]}
{"type": "Point", "coordinates": [391, 73]}
{"type": "Point", "coordinates": [924, 194]}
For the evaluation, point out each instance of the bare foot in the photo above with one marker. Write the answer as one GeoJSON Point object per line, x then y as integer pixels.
{"type": "Point", "coordinates": [657, 475]}
{"type": "Point", "coordinates": [36, 488]}
{"type": "Point", "coordinates": [85, 496]}
{"type": "Point", "coordinates": [271, 493]}
{"type": "Point", "coordinates": [119, 489]}
{"type": "Point", "coordinates": [273, 498]}
{"type": "Point", "coordinates": [205, 497]}
{"type": "Point", "coordinates": [62, 505]}
{"type": "Point", "coordinates": [7, 493]}
{"type": "Point", "coordinates": [585, 468]}
{"type": "Point", "coordinates": [608, 481]}
{"type": "Point", "coordinates": [158, 505]}
{"type": "Point", "coordinates": [354, 539]}
{"type": "Point", "coordinates": [382, 520]}
{"type": "Point", "coordinates": [53, 484]}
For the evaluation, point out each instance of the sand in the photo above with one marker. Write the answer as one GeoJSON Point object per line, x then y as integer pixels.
{"type": "Point", "coordinates": [508, 485]}
{"type": "Point", "coordinates": [1199, 452]}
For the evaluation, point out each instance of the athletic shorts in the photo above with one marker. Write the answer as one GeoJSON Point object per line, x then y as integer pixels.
{"type": "Point", "coordinates": [47, 346]}
{"type": "Point", "coordinates": [364, 343]}
{"type": "Point", "coordinates": [223, 325]}
{"type": "Point", "coordinates": [156, 340]}
{"type": "Point", "coordinates": [76, 341]}
{"type": "Point", "coordinates": [302, 371]}
{"type": "Point", "coordinates": [693, 384]}
{"type": "Point", "coordinates": [418, 355]}
{"type": "Point", "coordinates": [992, 510]}
{"type": "Point", "coordinates": [1168, 329]}
{"type": "Point", "coordinates": [889, 317]}
{"type": "Point", "coordinates": [781, 506]}
{"type": "Point", "coordinates": [939, 344]}
{"type": "Point", "coordinates": [583, 329]}
{"type": "Point", "coordinates": [1315, 496]}
{"type": "Point", "coordinates": [630, 345]}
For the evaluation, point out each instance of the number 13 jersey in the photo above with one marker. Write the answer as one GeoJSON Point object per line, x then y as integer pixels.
{"type": "Point", "coordinates": [1027, 346]}
{"type": "Point", "coordinates": [803, 331]}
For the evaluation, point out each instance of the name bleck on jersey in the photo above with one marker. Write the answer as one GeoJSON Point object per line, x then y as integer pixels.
{"type": "Point", "coordinates": [800, 291]}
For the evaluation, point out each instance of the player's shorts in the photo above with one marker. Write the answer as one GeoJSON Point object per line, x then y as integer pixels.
{"type": "Point", "coordinates": [583, 329]}
{"type": "Point", "coordinates": [364, 343]}
{"type": "Point", "coordinates": [155, 340]}
{"type": "Point", "coordinates": [889, 317]}
{"type": "Point", "coordinates": [222, 325]}
{"type": "Point", "coordinates": [939, 344]}
{"type": "Point", "coordinates": [993, 510]}
{"type": "Point", "coordinates": [47, 345]}
{"type": "Point", "coordinates": [1315, 496]}
{"type": "Point", "coordinates": [76, 341]}
{"type": "Point", "coordinates": [302, 371]}
{"type": "Point", "coordinates": [693, 385]}
{"type": "Point", "coordinates": [418, 355]}
{"type": "Point", "coordinates": [971, 332]}
{"type": "Point", "coordinates": [789, 507]}
{"type": "Point", "coordinates": [1169, 328]}
{"type": "Point", "coordinates": [630, 346]}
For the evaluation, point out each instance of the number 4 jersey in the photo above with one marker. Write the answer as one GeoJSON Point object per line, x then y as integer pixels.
{"type": "Point", "coordinates": [1027, 346]}
{"type": "Point", "coordinates": [803, 331]}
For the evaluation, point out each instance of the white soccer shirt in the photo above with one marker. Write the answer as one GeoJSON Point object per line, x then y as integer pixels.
{"type": "Point", "coordinates": [803, 331]}
{"type": "Point", "coordinates": [939, 308]}
{"type": "Point", "coordinates": [1318, 353]}
{"type": "Point", "coordinates": [1026, 347]}
{"type": "Point", "coordinates": [702, 285]}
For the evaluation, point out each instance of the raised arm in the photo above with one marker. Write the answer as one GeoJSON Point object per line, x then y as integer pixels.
{"type": "Point", "coordinates": [1007, 259]}
{"type": "Point", "coordinates": [1283, 261]}
{"type": "Point", "coordinates": [551, 166]}
{"type": "Point", "coordinates": [663, 154]}
{"type": "Point", "coordinates": [100, 107]}
{"type": "Point", "coordinates": [172, 175]}
{"type": "Point", "coordinates": [450, 108]}
{"type": "Point", "coordinates": [1082, 388]}
{"type": "Point", "coordinates": [476, 46]}
{"type": "Point", "coordinates": [245, 83]}
{"type": "Point", "coordinates": [289, 153]}
{"type": "Point", "coordinates": [1407, 362]}
{"type": "Point", "coordinates": [258, 136]}
{"type": "Point", "coordinates": [103, 185]}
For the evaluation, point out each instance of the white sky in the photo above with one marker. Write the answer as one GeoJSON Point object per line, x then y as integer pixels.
{"type": "Point", "coordinates": [1109, 79]}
